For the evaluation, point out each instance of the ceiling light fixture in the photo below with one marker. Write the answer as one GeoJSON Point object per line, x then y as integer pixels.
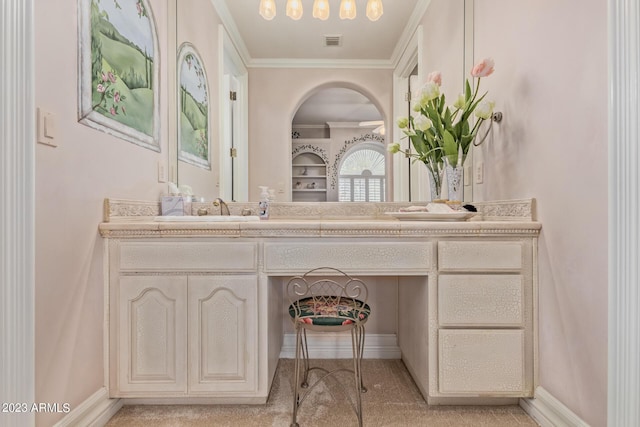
{"type": "Point", "coordinates": [374, 9]}
{"type": "Point", "coordinates": [348, 9]}
{"type": "Point", "coordinates": [294, 9]}
{"type": "Point", "coordinates": [267, 9]}
{"type": "Point", "coordinates": [321, 9]}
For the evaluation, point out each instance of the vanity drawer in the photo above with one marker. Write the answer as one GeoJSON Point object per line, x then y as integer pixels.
{"type": "Point", "coordinates": [480, 256]}
{"type": "Point", "coordinates": [482, 362]}
{"type": "Point", "coordinates": [188, 256]}
{"type": "Point", "coordinates": [350, 256]}
{"type": "Point", "coordinates": [481, 300]}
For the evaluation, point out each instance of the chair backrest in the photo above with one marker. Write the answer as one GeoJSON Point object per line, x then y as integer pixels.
{"type": "Point", "coordinates": [328, 292]}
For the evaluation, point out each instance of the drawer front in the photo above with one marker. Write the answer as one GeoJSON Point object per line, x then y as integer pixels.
{"type": "Point", "coordinates": [486, 362]}
{"type": "Point", "coordinates": [354, 257]}
{"type": "Point", "coordinates": [481, 300]}
{"type": "Point", "coordinates": [188, 256]}
{"type": "Point", "coordinates": [480, 256]}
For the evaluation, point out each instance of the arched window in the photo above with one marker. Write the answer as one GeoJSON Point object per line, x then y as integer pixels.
{"type": "Point", "coordinates": [362, 174]}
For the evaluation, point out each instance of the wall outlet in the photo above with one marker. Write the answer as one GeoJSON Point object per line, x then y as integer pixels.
{"type": "Point", "coordinates": [479, 173]}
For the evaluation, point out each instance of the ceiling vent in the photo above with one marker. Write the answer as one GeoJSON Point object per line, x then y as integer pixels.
{"type": "Point", "coordinates": [333, 40]}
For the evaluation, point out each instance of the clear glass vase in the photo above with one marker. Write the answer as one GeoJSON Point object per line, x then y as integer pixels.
{"type": "Point", "coordinates": [455, 180]}
{"type": "Point", "coordinates": [436, 178]}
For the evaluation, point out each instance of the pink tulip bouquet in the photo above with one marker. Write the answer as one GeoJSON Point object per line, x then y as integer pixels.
{"type": "Point", "coordinates": [442, 133]}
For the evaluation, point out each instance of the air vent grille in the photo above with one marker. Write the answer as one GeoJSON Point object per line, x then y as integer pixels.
{"type": "Point", "coordinates": [333, 40]}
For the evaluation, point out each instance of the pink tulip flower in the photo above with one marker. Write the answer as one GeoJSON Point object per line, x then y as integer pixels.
{"type": "Point", "coordinates": [483, 68]}
{"type": "Point", "coordinates": [435, 77]}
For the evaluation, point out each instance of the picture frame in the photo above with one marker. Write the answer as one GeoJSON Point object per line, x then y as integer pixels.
{"type": "Point", "coordinates": [119, 65]}
{"type": "Point", "coordinates": [194, 144]}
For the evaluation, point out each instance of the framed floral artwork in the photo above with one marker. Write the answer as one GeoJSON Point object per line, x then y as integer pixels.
{"type": "Point", "coordinates": [194, 146]}
{"type": "Point", "coordinates": [119, 70]}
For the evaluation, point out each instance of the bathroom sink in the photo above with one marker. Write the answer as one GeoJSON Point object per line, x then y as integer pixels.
{"type": "Point", "coordinates": [207, 218]}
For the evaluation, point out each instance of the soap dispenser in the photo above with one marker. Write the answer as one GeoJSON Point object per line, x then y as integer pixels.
{"type": "Point", "coordinates": [263, 205]}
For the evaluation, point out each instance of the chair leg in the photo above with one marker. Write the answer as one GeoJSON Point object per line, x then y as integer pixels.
{"type": "Point", "coordinates": [305, 359]}
{"type": "Point", "coordinates": [296, 384]}
{"type": "Point", "coordinates": [355, 342]}
{"type": "Point", "coordinates": [363, 389]}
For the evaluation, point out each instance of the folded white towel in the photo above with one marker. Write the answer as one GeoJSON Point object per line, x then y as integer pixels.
{"type": "Point", "coordinates": [414, 209]}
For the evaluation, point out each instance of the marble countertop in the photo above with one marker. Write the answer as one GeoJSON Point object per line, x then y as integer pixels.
{"type": "Point", "coordinates": [135, 219]}
{"type": "Point", "coordinates": [352, 227]}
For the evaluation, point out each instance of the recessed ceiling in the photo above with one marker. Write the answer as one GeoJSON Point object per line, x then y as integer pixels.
{"type": "Point", "coordinates": [283, 40]}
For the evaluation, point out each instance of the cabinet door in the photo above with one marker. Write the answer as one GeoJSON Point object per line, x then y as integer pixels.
{"type": "Point", "coordinates": [223, 333]}
{"type": "Point", "coordinates": [486, 362]}
{"type": "Point", "coordinates": [152, 334]}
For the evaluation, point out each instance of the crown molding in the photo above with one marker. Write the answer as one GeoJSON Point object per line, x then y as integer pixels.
{"type": "Point", "coordinates": [232, 30]}
{"type": "Point", "coordinates": [320, 63]}
{"type": "Point", "coordinates": [409, 31]}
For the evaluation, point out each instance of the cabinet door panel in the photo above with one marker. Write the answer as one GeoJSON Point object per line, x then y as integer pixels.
{"type": "Point", "coordinates": [485, 362]}
{"type": "Point", "coordinates": [152, 334]}
{"type": "Point", "coordinates": [481, 300]}
{"type": "Point", "coordinates": [223, 333]}
{"type": "Point", "coordinates": [480, 255]}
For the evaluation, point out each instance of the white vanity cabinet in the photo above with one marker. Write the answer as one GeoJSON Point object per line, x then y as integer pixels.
{"type": "Point", "coordinates": [485, 318]}
{"type": "Point", "coordinates": [195, 310]}
{"type": "Point", "coordinates": [183, 318]}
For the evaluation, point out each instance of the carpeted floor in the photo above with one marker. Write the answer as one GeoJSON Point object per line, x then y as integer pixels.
{"type": "Point", "coordinates": [392, 400]}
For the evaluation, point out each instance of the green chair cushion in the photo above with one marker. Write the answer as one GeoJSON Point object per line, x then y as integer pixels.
{"type": "Point", "coordinates": [333, 312]}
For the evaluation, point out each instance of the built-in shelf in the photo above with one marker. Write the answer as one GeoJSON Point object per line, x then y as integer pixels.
{"type": "Point", "coordinates": [306, 168]}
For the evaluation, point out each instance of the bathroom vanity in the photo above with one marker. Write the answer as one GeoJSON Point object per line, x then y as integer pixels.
{"type": "Point", "coordinates": [194, 310]}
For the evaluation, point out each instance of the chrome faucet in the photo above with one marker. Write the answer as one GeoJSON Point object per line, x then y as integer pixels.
{"type": "Point", "coordinates": [224, 209]}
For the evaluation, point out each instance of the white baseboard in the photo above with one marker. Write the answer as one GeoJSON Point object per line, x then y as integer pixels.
{"type": "Point", "coordinates": [549, 411]}
{"type": "Point", "coordinates": [93, 412]}
{"type": "Point", "coordinates": [328, 345]}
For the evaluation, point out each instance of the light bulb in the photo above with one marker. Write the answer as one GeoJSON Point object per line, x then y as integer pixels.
{"type": "Point", "coordinates": [374, 9]}
{"type": "Point", "coordinates": [267, 9]}
{"type": "Point", "coordinates": [321, 9]}
{"type": "Point", "coordinates": [294, 9]}
{"type": "Point", "coordinates": [347, 9]}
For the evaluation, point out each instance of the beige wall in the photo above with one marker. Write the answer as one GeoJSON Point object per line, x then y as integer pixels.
{"type": "Point", "coordinates": [551, 84]}
{"type": "Point", "coordinates": [443, 45]}
{"type": "Point", "coordinates": [71, 182]}
{"type": "Point", "coordinates": [274, 97]}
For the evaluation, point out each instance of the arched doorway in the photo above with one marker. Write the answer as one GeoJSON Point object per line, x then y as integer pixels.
{"type": "Point", "coordinates": [333, 122]}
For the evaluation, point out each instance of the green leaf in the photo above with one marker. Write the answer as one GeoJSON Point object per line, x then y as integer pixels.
{"type": "Point", "coordinates": [450, 147]}
{"type": "Point", "coordinates": [418, 143]}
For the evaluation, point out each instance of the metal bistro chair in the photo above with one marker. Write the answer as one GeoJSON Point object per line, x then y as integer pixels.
{"type": "Point", "coordinates": [335, 302]}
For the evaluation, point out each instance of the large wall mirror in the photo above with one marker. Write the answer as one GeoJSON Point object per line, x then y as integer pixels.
{"type": "Point", "coordinates": [259, 104]}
